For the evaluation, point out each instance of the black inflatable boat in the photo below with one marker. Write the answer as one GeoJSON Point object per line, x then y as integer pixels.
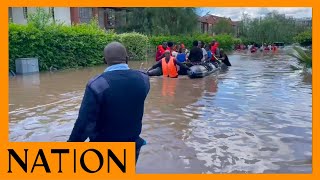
{"type": "Point", "coordinates": [196, 71]}
{"type": "Point", "coordinates": [199, 71]}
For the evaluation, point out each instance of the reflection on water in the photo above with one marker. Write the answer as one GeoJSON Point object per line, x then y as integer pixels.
{"type": "Point", "coordinates": [253, 118]}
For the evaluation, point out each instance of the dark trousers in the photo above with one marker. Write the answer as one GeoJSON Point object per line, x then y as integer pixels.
{"type": "Point", "coordinates": [137, 154]}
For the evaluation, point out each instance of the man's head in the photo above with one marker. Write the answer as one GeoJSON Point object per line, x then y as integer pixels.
{"type": "Point", "coordinates": [200, 44]}
{"type": "Point", "coordinates": [207, 47]}
{"type": "Point", "coordinates": [213, 41]}
{"type": "Point", "coordinates": [221, 51]}
{"type": "Point", "coordinates": [195, 43]}
{"type": "Point", "coordinates": [170, 44]}
{"type": "Point", "coordinates": [115, 53]}
{"type": "Point", "coordinates": [164, 45]}
{"type": "Point", "coordinates": [167, 54]}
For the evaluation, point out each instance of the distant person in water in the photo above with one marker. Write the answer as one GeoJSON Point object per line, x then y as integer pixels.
{"type": "Point", "coordinates": [273, 47]}
{"type": "Point", "coordinates": [224, 58]}
{"type": "Point", "coordinates": [160, 51]}
{"type": "Point", "coordinates": [113, 103]}
{"type": "Point", "coordinates": [168, 65]}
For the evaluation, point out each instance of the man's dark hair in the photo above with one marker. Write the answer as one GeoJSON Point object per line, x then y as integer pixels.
{"type": "Point", "coordinates": [202, 44]}
{"type": "Point", "coordinates": [195, 43]}
{"type": "Point", "coordinates": [170, 44]}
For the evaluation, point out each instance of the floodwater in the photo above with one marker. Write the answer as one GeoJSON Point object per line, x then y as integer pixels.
{"type": "Point", "coordinates": [253, 118]}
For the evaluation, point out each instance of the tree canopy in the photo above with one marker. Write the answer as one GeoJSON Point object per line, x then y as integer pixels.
{"type": "Point", "coordinates": [273, 27]}
{"type": "Point", "coordinates": [161, 21]}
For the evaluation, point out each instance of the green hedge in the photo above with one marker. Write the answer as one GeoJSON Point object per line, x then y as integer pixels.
{"type": "Point", "coordinates": [226, 41]}
{"type": "Point", "coordinates": [136, 44]}
{"type": "Point", "coordinates": [82, 45]}
{"type": "Point", "coordinates": [69, 46]}
{"type": "Point", "coordinates": [304, 38]}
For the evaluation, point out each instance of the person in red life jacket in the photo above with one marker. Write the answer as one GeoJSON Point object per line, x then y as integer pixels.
{"type": "Point", "coordinates": [253, 48]}
{"type": "Point", "coordinates": [168, 65]}
{"type": "Point", "coordinates": [266, 48]}
{"type": "Point", "coordinates": [273, 47]}
{"type": "Point", "coordinates": [215, 52]}
{"type": "Point", "coordinates": [160, 52]}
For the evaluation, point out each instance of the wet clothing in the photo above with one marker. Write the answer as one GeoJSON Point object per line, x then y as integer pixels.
{"type": "Point", "coordinates": [195, 55]}
{"type": "Point", "coordinates": [112, 107]}
{"type": "Point", "coordinates": [181, 57]}
{"type": "Point", "coordinates": [169, 69]}
{"type": "Point", "coordinates": [175, 62]}
{"type": "Point", "coordinates": [273, 48]}
{"type": "Point", "coordinates": [225, 60]}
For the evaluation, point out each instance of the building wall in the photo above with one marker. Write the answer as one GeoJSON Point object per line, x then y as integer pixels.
{"type": "Point", "coordinates": [60, 14]}
{"type": "Point", "coordinates": [63, 15]}
{"type": "Point", "coordinates": [17, 16]}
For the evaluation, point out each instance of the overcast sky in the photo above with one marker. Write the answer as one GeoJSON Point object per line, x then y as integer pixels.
{"type": "Point", "coordinates": [235, 13]}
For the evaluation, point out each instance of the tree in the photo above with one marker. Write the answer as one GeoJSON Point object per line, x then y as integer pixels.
{"type": "Point", "coordinates": [223, 26]}
{"type": "Point", "coordinates": [273, 27]}
{"type": "Point", "coordinates": [161, 21]}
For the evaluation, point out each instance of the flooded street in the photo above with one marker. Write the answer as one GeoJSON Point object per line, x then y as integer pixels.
{"type": "Point", "coordinates": [255, 117]}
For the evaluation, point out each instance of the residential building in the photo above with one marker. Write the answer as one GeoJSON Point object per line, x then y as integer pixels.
{"type": "Point", "coordinates": [208, 22]}
{"type": "Point", "coordinates": [108, 18]}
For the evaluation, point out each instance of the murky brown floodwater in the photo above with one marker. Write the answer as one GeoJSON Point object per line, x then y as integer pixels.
{"type": "Point", "coordinates": [253, 118]}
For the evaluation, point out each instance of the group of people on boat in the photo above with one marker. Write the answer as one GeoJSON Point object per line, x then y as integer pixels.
{"type": "Point", "coordinates": [169, 55]}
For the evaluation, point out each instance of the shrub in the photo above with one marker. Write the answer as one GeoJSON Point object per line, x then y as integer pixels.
{"type": "Point", "coordinates": [136, 44]}
{"type": "Point", "coordinates": [58, 46]}
{"type": "Point", "coordinates": [304, 38]}
{"type": "Point", "coordinates": [302, 55]}
{"type": "Point", "coordinates": [69, 46]}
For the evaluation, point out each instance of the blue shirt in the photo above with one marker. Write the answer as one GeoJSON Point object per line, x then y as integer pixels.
{"type": "Point", "coordinates": [209, 54]}
{"type": "Point", "coordinates": [117, 67]}
{"type": "Point", "coordinates": [181, 57]}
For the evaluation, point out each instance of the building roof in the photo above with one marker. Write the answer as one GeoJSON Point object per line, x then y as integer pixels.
{"type": "Point", "coordinates": [212, 19]}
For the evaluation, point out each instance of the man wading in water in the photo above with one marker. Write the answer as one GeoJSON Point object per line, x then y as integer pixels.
{"type": "Point", "coordinates": [168, 66]}
{"type": "Point", "coordinates": [113, 103]}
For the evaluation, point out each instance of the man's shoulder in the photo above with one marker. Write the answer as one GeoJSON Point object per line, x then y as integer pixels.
{"type": "Point", "coordinates": [142, 72]}
{"type": "Point", "coordinates": [98, 83]}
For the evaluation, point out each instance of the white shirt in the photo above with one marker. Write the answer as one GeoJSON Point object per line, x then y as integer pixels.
{"type": "Point", "coordinates": [204, 53]}
{"type": "Point", "coordinates": [174, 54]}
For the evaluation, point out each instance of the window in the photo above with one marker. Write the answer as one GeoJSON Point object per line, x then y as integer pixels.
{"type": "Point", "coordinates": [10, 13]}
{"type": "Point", "coordinates": [85, 14]}
{"type": "Point", "coordinates": [25, 12]}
